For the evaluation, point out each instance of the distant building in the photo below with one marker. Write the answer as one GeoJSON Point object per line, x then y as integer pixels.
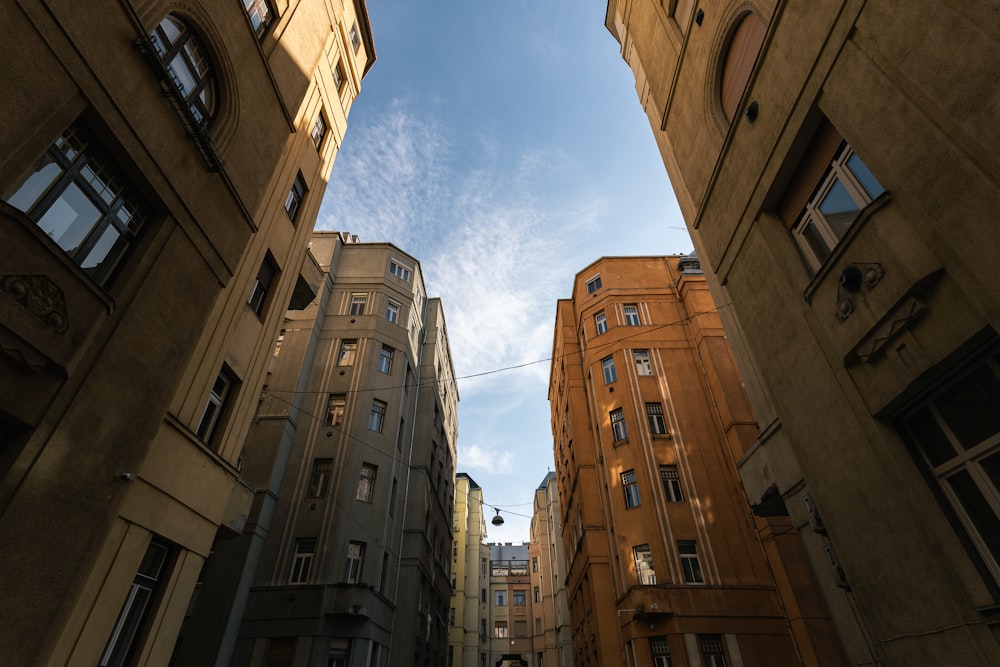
{"type": "Point", "coordinates": [468, 641]}
{"type": "Point", "coordinates": [161, 168]}
{"type": "Point", "coordinates": [345, 558]}
{"type": "Point", "coordinates": [664, 563]}
{"type": "Point", "coordinates": [510, 606]}
{"type": "Point", "coordinates": [837, 167]}
{"type": "Point", "coordinates": [551, 637]}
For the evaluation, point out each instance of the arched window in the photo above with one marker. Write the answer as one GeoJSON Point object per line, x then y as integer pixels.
{"type": "Point", "coordinates": [185, 60]}
{"type": "Point", "coordinates": [741, 54]}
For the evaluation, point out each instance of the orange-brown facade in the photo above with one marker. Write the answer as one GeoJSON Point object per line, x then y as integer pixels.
{"type": "Point", "coordinates": [649, 418]}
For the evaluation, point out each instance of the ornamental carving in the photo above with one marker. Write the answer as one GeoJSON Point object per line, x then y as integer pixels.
{"type": "Point", "coordinates": [41, 297]}
{"type": "Point", "coordinates": [853, 279]}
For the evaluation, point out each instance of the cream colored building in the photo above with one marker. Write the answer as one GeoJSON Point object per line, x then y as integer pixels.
{"type": "Point", "coordinates": [552, 642]}
{"type": "Point", "coordinates": [837, 165]}
{"type": "Point", "coordinates": [467, 639]}
{"type": "Point", "coordinates": [161, 167]}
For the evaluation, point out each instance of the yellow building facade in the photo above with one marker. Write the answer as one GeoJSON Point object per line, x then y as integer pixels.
{"type": "Point", "coordinates": [552, 643]}
{"type": "Point", "coordinates": [836, 164]}
{"type": "Point", "coordinates": [162, 167]}
{"type": "Point", "coordinates": [467, 638]}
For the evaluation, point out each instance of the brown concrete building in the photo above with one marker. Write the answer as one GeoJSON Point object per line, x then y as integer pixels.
{"type": "Point", "coordinates": [161, 166]}
{"type": "Point", "coordinates": [649, 417]}
{"type": "Point", "coordinates": [837, 166]}
{"type": "Point", "coordinates": [344, 559]}
{"type": "Point", "coordinates": [551, 640]}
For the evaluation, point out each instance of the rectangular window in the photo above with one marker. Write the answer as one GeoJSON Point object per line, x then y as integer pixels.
{"type": "Point", "coordinates": [538, 594]}
{"type": "Point", "coordinates": [392, 312]}
{"type": "Point", "coordinates": [660, 649]}
{"type": "Point", "coordinates": [366, 482]}
{"type": "Point", "coordinates": [260, 15]}
{"type": "Point", "coordinates": [631, 489]}
{"type": "Point", "coordinates": [221, 389]}
{"type": "Point", "coordinates": [618, 424]}
{"type": "Point", "coordinates": [338, 77]}
{"type": "Point", "coordinates": [358, 303]}
{"type": "Point", "coordinates": [520, 598]}
{"type": "Point", "coordinates": [500, 598]}
{"type": "Point", "coordinates": [82, 201]}
{"type": "Point", "coordinates": [654, 414]}
{"type": "Point", "coordinates": [534, 564]}
{"type": "Point", "coordinates": [642, 365]}
{"type": "Point", "coordinates": [600, 323]}
{"type": "Point", "coordinates": [671, 483]}
{"type": "Point", "coordinates": [137, 606]}
{"type": "Point", "coordinates": [335, 406]}
{"type": "Point", "coordinates": [355, 562]}
{"type": "Point", "coordinates": [355, 38]}
{"type": "Point", "coordinates": [711, 650]}
{"type": "Point", "coordinates": [483, 595]}
{"type": "Point", "coordinates": [348, 350]}
{"type": "Point", "coordinates": [262, 284]}
{"type": "Point", "coordinates": [305, 549]}
{"type": "Point", "coordinates": [608, 366]}
{"type": "Point", "coordinates": [295, 196]}
{"type": "Point", "coordinates": [277, 351]}
{"type": "Point", "coordinates": [451, 617]}
{"type": "Point", "coordinates": [400, 271]}
{"type": "Point", "coordinates": [688, 550]}
{"type": "Point", "coordinates": [594, 284]}
{"type": "Point", "coordinates": [644, 569]}
{"type": "Point", "coordinates": [520, 629]}
{"type": "Point", "coordinates": [319, 478]}
{"type": "Point", "coordinates": [377, 416]}
{"type": "Point", "coordinates": [339, 653]}
{"type": "Point", "coordinates": [500, 630]}
{"type": "Point", "coordinates": [385, 360]}
{"type": "Point", "coordinates": [631, 314]}
{"type": "Point", "coordinates": [319, 130]}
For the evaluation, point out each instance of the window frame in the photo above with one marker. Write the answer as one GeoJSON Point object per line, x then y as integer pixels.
{"type": "Point", "coordinates": [500, 598]}
{"type": "Point", "coordinates": [354, 562]}
{"type": "Point", "coordinates": [645, 569]}
{"type": "Point", "coordinates": [400, 270]}
{"type": "Point", "coordinates": [656, 419]}
{"type": "Point", "coordinates": [320, 475]}
{"type": "Point", "coordinates": [659, 649]}
{"type": "Point", "coordinates": [296, 195]}
{"type": "Point", "coordinates": [359, 302]}
{"type": "Point", "coordinates": [218, 401]}
{"type": "Point", "coordinates": [520, 597]}
{"type": "Point", "coordinates": [384, 363]}
{"type": "Point", "coordinates": [182, 52]}
{"type": "Point", "coordinates": [336, 409]}
{"type": "Point", "coordinates": [618, 426]}
{"type": "Point", "coordinates": [264, 23]}
{"type": "Point", "coordinates": [319, 130]}
{"type": "Point", "coordinates": [630, 489]}
{"type": "Point", "coordinates": [609, 370]}
{"type": "Point", "coordinates": [687, 550]}
{"type": "Point", "coordinates": [376, 418]}
{"type": "Point", "coordinates": [643, 363]}
{"type": "Point", "coordinates": [500, 630]}
{"type": "Point", "coordinates": [347, 352]}
{"type": "Point", "coordinates": [392, 311]}
{"type": "Point", "coordinates": [600, 323]}
{"type": "Point", "coordinates": [594, 284]}
{"type": "Point", "coordinates": [367, 474]}
{"type": "Point", "coordinates": [261, 286]}
{"type": "Point", "coordinates": [713, 653]}
{"type": "Point", "coordinates": [302, 558]}
{"type": "Point", "coordinates": [632, 318]}
{"type": "Point", "coordinates": [672, 489]}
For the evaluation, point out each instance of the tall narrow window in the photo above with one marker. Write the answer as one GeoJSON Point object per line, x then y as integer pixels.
{"type": "Point", "coordinates": [293, 201]}
{"type": "Point", "coordinates": [654, 414]}
{"type": "Point", "coordinates": [600, 323]}
{"type": "Point", "coordinates": [213, 408]}
{"type": "Point", "coordinates": [338, 77]}
{"type": "Point", "coordinates": [366, 482]}
{"type": "Point", "coordinates": [318, 131]}
{"type": "Point", "coordinates": [277, 351]}
{"type": "Point", "coordinates": [385, 360]}
{"type": "Point", "coordinates": [688, 550]}
{"type": "Point", "coordinates": [262, 284]}
{"type": "Point", "coordinates": [335, 405]}
{"type": "Point", "coordinates": [644, 569]}
{"type": "Point", "coordinates": [618, 424]}
{"type": "Point", "coordinates": [81, 200]}
{"type": "Point", "coordinates": [499, 598]}
{"type": "Point", "coordinates": [137, 605]}
{"type": "Point", "coordinates": [358, 303]}
{"type": "Point", "coordinates": [630, 487]}
{"type": "Point", "coordinates": [660, 649]}
{"type": "Point", "coordinates": [631, 314]}
{"type": "Point", "coordinates": [377, 416]}
{"type": "Point", "coordinates": [355, 562]}
{"type": "Point", "coordinates": [348, 350]}
{"type": "Point", "coordinates": [538, 594]}
{"type": "Point", "coordinates": [319, 478]}
{"type": "Point", "coordinates": [355, 37]}
{"type": "Point", "coordinates": [392, 311]}
{"type": "Point", "coordinates": [594, 284]}
{"type": "Point", "coordinates": [642, 365]}
{"type": "Point", "coordinates": [305, 549]}
{"type": "Point", "coordinates": [711, 650]}
{"type": "Point", "coordinates": [260, 15]}
{"type": "Point", "coordinates": [608, 366]}
{"type": "Point", "coordinates": [184, 58]}
{"type": "Point", "coordinates": [671, 483]}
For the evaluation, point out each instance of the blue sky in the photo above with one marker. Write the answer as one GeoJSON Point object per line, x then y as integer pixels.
{"type": "Point", "coordinates": [502, 144]}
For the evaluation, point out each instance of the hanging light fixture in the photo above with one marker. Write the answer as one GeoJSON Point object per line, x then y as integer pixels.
{"type": "Point", "coordinates": [498, 520]}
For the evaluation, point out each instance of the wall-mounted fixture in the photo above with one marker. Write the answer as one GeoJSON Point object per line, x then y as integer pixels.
{"type": "Point", "coordinates": [699, 16]}
{"type": "Point", "coordinates": [752, 111]}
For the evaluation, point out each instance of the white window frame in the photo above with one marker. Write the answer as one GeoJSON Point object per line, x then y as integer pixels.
{"type": "Point", "coordinates": [305, 551]}
{"type": "Point", "coordinates": [670, 477]}
{"type": "Point", "coordinates": [500, 630]}
{"type": "Point", "coordinates": [643, 366]}
{"type": "Point", "coordinates": [644, 568]}
{"type": "Point", "coordinates": [355, 561]}
{"type": "Point", "coordinates": [631, 311]}
{"type": "Point", "coordinates": [399, 270]}
{"type": "Point", "coordinates": [600, 323]}
{"type": "Point", "coordinates": [336, 408]}
{"type": "Point", "coordinates": [376, 419]}
{"type": "Point", "coordinates": [690, 564]}
{"type": "Point", "coordinates": [384, 364]}
{"type": "Point", "coordinates": [608, 368]}
{"type": "Point", "coordinates": [392, 312]}
{"type": "Point", "coordinates": [630, 487]}
{"type": "Point", "coordinates": [359, 301]}
{"type": "Point", "coordinates": [711, 650]}
{"type": "Point", "coordinates": [214, 406]}
{"type": "Point", "coordinates": [618, 424]}
{"type": "Point", "coordinates": [659, 648]}
{"type": "Point", "coordinates": [319, 130]}
{"type": "Point", "coordinates": [655, 418]}
{"type": "Point", "coordinates": [499, 598]}
{"type": "Point", "coordinates": [594, 284]}
{"type": "Point", "coordinates": [347, 352]}
{"type": "Point", "coordinates": [139, 603]}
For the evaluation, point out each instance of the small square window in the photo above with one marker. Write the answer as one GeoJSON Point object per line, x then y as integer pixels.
{"type": "Point", "coordinates": [319, 130]}
{"type": "Point", "coordinates": [358, 304]}
{"type": "Point", "coordinates": [293, 202]}
{"type": "Point", "coordinates": [594, 284]}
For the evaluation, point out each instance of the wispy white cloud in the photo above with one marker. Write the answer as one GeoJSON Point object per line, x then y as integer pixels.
{"type": "Point", "coordinates": [485, 458]}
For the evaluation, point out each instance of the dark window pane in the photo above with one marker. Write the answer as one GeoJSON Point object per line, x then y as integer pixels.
{"type": "Point", "coordinates": [27, 193]}
{"type": "Point", "coordinates": [929, 436]}
{"type": "Point", "coordinates": [816, 242]}
{"type": "Point", "coordinates": [972, 409]}
{"type": "Point", "coordinates": [839, 209]}
{"type": "Point", "coordinates": [978, 510]}
{"type": "Point", "coordinates": [103, 257]}
{"type": "Point", "coordinates": [991, 464]}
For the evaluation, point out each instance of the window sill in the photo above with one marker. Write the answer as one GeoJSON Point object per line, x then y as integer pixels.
{"type": "Point", "coordinates": [619, 443]}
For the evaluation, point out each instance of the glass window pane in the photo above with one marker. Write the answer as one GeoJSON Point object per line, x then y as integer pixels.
{"type": "Point", "coordinates": [34, 184]}
{"type": "Point", "coordinates": [839, 209]}
{"type": "Point", "coordinates": [930, 437]}
{"type": "Point", "coordinates": [126, 627]}
{"type": "Point", "coordinates": [816, 242]}
{"type": "Point", "coordinates": [979, 511]}
{"type": "Point", "coordinates": [865, 177]}
{"type": "Point", "coordinates": [103, 257]}
{"type": "Point", "coordinates": [70, 218]}
{"type": "Point", "coordinates": [972, 409]}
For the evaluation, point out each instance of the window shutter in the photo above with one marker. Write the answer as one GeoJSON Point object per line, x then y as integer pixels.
{"type": "Point", "coordinates": [821, 152]}
{"type": "Point", "coordinates": [740, 57]}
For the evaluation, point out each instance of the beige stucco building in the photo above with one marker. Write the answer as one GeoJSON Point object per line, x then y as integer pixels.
{"type": "Point", "coordinates": [837, 166]}
{"type": "Point", "coordinates": [161, 167]}
{"type": "Point", "coordinates": [467, 637]}
{"type": "Point", "coordinates": [551, 640]}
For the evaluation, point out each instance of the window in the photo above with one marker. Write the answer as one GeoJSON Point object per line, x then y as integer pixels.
{"type": "Point", "coordinates": [348, 350]}
{"type": "Point", "coordinates": [711, 650]}
{"type": "Point", "coordinates": [355, 38]}
{"type": "Point", "coordinates": [520, 629]}
{"type": "Point", "coordinates": [319, 478]}
{"type": "Point", "coordinates": [661, 652]}
{"type": "Point", "coordinates": [500, 598]}
{"type": "Point", "coordinates": [538, 594]}
{"type": "Point", "coordinates": [500, 630]}
{"type": "Point", "coordinates": [451, 617]}
{"type": "Point", "coordinates": [294, 199]}
{"type": "Point", "coordinates": [741, 53]}
{"type": "Point", "coordinates": [186, 63]}
{"type": "Point", "coordinates": [358, 303]}
{"type": "Point", "coordinates": [631, 314]}
{"type": "Point", "coordinates": [392, 497]}
{"type": "Point", "coordinates": [644, 565]}
{"type": "Point", "coordinates": [305, 548]}
{"type": "Point", "coordinates": [608, 365]}
{"type": "Point", "coordinates": [213, 408]}
{"type": "Point", "coordinates": [671, 483]}
{"type": "Point", "coordinates": [600, 323]}
{"type": "Point", "coordinates": [520, 598]}
{"type": "Point", "coordinates": [399, 271]}
{"type": "Point", "coordinates": [392, 311]}
{"type": "Point", "coordinates": [339, 653]}
{"type": "Point", "coordinates": [594, 284]}
{"type": "Point", "coordinates": [956, 435]}
{"type": "Point", "coordinates": [385, 359]}
{"type": "Point", "coordinates": [688, 550]}
{"type": "Point", "coordinates": [618, 424]}
{"type": "Point", "coordinates": [335, 406]}
{"type": "Point", "coordinates": [355, 562]}
{"type": "Point", "coordinates": [261, 285]}
{"type": "Point", "coordinates": [642, 365]}
{"type": "Point", "coordinates": [277, 351]}
{"type": "Point", "coordinates": [338, 76]}
{"type": "Point", "coordinates": [366, 482]}
{"type": "Point", "coordinates": [137, 606]}
{"type": "Point", "coordinates": [631, 489]}
{"type": "Point", "coordinates": [260, 14]}
{"type": "Point", "coordinates": [654, 414]}
{"type": "Point", "coordinates": [534, 564]}
{"type": "Point", "coordinates": [280, 652]}
{"type": "Point", "coordinates": [319, 130]}
{"type": "Point", "coordinates": [79, 198]}
{"type": "Point", "coordinates": [482, 592]}
{"type": "Point", "coordinates": [377, 416]}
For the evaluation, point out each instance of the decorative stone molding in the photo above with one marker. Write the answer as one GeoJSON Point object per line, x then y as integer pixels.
{"type": "Point", "coordinates": [901, 318]}
{"type": "Point", "coordinates": [853, 279]}
{"type": "Point", "coordinates": [41, 297]}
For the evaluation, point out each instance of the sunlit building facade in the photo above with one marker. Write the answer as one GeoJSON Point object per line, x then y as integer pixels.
{"type": "Point", "coordinates": [162, 168]}
{"type": "Point", "coordinates": [836, 165]}
{"type": "Point", "coordinates": [467, 637]}
{"type": "Point", "coordinates": [550, 628]}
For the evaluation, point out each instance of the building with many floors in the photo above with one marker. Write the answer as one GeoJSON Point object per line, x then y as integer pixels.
{"type": "Point", "coordinates": [467, 638]}
{"type": "Point", "coordinates": [550, 631]}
